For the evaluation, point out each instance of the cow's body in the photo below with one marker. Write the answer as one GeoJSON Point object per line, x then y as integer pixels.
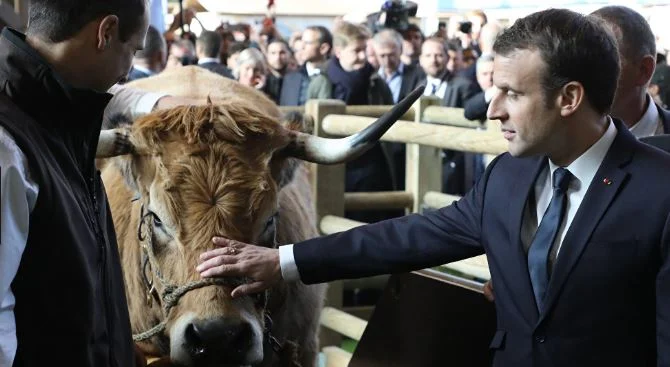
{"type": "Point", "coordinates": [295, 308]}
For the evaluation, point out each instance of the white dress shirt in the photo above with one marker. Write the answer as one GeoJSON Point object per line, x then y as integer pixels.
{"type": "Point", "coordinates": [439, 85]}
{"type": "Point", "coordinates": [394, 82]}
{"type": "Point", "coordinates": [18, 193]}
{"type": "Point", "coordinates": [583, 169]}
{"type": "Point", "coordinates": [650, 124]}
{"type": "Point", "coordinates": [311, 69]}
{"type": "Point", "coordinates": [206, 60]}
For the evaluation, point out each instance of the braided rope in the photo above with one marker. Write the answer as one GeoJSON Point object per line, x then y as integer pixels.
{"type": "Point", "coordinates": [170, 297]}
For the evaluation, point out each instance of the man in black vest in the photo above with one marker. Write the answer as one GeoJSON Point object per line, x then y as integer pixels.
{"type": "Point", "coordinates": [66, 305]}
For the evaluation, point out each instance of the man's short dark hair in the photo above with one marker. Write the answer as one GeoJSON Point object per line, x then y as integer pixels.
{"type": "Point", "coordinates": [60, 20]}
{"type": "Point", "coordinates": [324, 35]}
{"type": "Point", "coordinates": [454, 45]}
{"type": "Point", "coordinates": [632, 32]}
{"type": "Point", "coordinates": [412, 28]}
{"type": "Point", "coordinates": [154, 44]}
{"type": "Point", "coordinates": [237, 47]}
{"type": "Point", "coordinates": [574, 48]}
{"type": "Point", "coordinates": [283, 42]}
{"type": "Point", "coordinates": [209, 43]}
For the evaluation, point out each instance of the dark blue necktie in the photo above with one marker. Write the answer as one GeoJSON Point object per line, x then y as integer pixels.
{"type": "Point", "coordinates": [540, 247]}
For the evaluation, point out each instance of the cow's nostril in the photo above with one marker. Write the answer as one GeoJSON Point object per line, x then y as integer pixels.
{"type": "Point", "coordinates": [193, 340]}
{"type": "Point", "coordinates": [221, 340]}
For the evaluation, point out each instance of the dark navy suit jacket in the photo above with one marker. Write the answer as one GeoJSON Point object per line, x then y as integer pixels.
{"type": "Point", "coordinates": [608, 301]}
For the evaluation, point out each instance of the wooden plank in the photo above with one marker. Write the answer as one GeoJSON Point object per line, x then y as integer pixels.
{"type": "Point", "coordinates": [450, 116]}
{"type": "Point", "coordinates": [336, 357]}
{"type": "Point", "coordinates": [368, 111]}
{"type": "Point", "coordinates": [436, 200]}
{"type": "Point", "coordinates": [423, 167]}
{"type": "Point", "coordinates": [342, 322]}
{"type": "Point", "coordinates": [477, 267]}
{"type": "Point", "coordinates": [422, 321]}
{"type": "Point", "coordinates": [333, 224]}
{"type": "Point", "coordinates": [328, 186]}
{"type": "Point", "coordinates": [438, 136]}
{"type": "Point", "coordinates": [378, 200]}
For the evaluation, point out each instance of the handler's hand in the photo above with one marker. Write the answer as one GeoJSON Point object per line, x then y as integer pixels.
{"type": "Point", "coordinates": [237, 259]}
{"type": "Point", "coordinates": [488, 291]}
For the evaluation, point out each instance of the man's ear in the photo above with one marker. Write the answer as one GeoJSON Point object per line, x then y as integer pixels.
{"type": "Point", "coordinates": [647, 67]}
{"type": "Point", "coordinates": [570, 97]}
{"type": "Point", "coordinates": [107, 30]}
{"type": "Point", "coordinates": [337, 51]}
{"type": "Point", "coordinates": [324, 49]}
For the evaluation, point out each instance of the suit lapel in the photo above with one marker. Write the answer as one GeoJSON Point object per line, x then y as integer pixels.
{"type": "Point", "coordinates": [603, 189]}
{"type": "Point", "coordinates": [526, 177]}
{"type": "Point", "coordinates": [406, 81]}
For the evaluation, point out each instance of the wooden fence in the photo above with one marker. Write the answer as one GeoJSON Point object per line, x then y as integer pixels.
{"type": "Point", "coordinates": [426, 129]}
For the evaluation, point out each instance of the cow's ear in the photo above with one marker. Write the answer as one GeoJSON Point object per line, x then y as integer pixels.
{"type": "Point", "coordinates": [128, 167]}
{"type": "Point", "coordinates": [298, 122]}
{"type": "Point", "coordinates": [287, 166]}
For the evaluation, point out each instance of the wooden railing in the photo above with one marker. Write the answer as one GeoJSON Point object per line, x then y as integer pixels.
{"type": "Point", "coordinates": [426, 129]}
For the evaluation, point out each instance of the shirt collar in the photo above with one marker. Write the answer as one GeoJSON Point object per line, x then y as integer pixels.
{"type": "Point", "coordinates": [399, 71]}
{"type": "Point", "coordinates": [435, 81]}
{"type": "Point", "coordinates": [585, 166]}
{"type": "Point", "coordinates": [206, 60]}
{"type": "Point", "coordinates": [648, 124]}
{"type": "Point", "coordinates": [311, 69]}
{"type": "Point", "coordinates": [143, 69]}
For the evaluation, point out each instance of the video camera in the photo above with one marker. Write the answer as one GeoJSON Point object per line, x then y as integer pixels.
{"type": "Point", "coordinates": [394, 14]}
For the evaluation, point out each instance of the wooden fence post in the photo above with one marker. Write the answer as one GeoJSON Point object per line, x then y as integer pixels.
{"type": "Point", "coordinates": [328, 185]}
{"type": "Point", "coordinates": [424, 164]}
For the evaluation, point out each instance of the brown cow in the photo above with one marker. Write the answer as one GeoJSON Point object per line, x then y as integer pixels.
{"type": "Point", "coordinates": [199, 171]}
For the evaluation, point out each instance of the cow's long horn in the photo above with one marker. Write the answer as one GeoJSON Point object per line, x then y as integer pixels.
{"type": "Point", "coordinates": [332, 151]}
{"type": "Point", "coordinates": [113, 142]}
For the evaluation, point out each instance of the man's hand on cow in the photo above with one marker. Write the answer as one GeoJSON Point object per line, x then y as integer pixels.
{"type": "Point", "coordinates": [237, 259]}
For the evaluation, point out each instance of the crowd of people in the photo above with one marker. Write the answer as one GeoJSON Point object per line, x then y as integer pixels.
{"type": "Point", "coordinates": [349, 63]}
{"type": "Point", "coordinates": [574, 218]}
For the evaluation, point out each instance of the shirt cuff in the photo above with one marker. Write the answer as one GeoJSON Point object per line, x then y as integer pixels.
{"type": "Point", "coordinates": [289, 269]}
{"type": "Point", "coordinates": [147, 103]}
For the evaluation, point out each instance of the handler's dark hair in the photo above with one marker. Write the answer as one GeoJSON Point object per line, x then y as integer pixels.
{"type": "Point", "coordinates": [574, 47]}
{"type": "Point", "coordinates": [59, 20]}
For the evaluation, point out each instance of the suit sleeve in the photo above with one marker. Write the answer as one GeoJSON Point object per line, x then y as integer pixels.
{"type": "Point", "coordinates": [476, 107]}
{"type": "Point", "coordinates": [663, 301]}
{"type": "Point", "coordinates": [319, 88]}
{"type": "Point", "coordinates": [403, 244]}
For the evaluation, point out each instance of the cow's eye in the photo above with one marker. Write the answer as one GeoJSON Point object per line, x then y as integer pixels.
{"type": "Point", "coordinates": [270, 222]}
{"type": "Point", "coordinates": [157, 221]}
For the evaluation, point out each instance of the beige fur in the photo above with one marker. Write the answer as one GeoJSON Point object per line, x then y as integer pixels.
{"type": "Point", "coordinates": [212, 170]}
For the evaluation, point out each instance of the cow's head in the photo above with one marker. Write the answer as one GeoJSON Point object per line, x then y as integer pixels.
{"type": "Point", "coordinates": [214, 170]}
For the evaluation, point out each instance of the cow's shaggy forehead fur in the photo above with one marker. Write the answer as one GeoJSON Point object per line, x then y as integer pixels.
{"type": "Point", "coordinates": [213, 166]}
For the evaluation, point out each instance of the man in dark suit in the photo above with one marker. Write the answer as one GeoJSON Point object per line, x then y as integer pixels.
{"type": "Point", "coordinates": [401, 80]}
{"type": "Point", "coordinates": [575, 219]}
{"type": "Point", "coordinates": [637, 51]}
{"type": "Point", "coordinates": [317, 46]}
{"type": "Point", "coordinates": [208, 49]}
{"type": "Point", "coordinates": [151, 59]}
{"type": "Point", "coordinates": [476, 106]}
{"type": "Point", "coordinates": [453, 91]}
{"type": "Point", "coordinates": [632, 104]}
